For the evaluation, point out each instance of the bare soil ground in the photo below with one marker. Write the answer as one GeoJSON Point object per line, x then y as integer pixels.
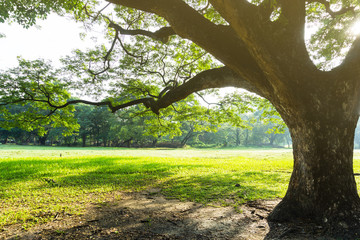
{"type": "Point", "coordinates": [149, 215]}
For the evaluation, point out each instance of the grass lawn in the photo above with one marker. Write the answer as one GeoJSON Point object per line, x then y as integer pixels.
{"type": "Point", "coordinates": [37, 184]}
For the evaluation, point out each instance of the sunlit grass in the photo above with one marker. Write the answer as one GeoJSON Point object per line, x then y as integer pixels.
{"type": "Point", "coordinates": [37, 185]}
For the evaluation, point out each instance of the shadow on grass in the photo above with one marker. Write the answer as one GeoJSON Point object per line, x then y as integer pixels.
{"type": "Point", "coordinates": [89, 170]}
{"type": "Point", "coordinates": [143, 216]}
{"type": "Point", "coordinates": [61, 185]}
{"type": "Point", "coordinates": [201, 184]}
{"type": "Point", "coordinates": [226, 189]}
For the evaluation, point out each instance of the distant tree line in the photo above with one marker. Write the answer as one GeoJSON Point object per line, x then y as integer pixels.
{"type": "Point", "coordinates": [99, 127]}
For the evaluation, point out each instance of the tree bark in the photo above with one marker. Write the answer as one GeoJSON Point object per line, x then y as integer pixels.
{"type": "Point", "coordinates": [322, 186]}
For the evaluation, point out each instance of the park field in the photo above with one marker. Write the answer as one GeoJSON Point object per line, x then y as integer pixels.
{"type": "Point", "coordinates": [38, 184]}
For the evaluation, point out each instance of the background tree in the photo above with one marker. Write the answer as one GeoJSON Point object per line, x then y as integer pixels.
{"type": "Point", "coordinates": [33, 87]}
{"type": "Point", "coordinates": [82, 115]}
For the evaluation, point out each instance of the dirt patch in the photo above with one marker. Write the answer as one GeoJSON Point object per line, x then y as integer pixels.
{"type": "Point", "coordinates": [149, 215]}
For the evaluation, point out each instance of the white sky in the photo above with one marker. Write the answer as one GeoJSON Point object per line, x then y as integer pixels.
{"type": "Point", "coordinates": [55, 38]}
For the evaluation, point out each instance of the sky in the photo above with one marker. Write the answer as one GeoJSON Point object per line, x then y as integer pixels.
{"type": "Point", "coordinates": [51, 39]}
{"type": "Point", "coordinates": [54, 38]}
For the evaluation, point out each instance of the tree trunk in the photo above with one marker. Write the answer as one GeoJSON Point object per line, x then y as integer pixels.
{"type": "Point", "coordinates": [127, 143]}
{"type": "Point", "coordinates": [42, 140]}
{"type": "Point", "coordinates": [154, 142]}
{"type": "Point", "coordinates": [247, 137]}
{"type": "Point", "coordinates": [237, 137]}
{"type": "Point", "coordinates": [322, 186]}
{"type": "Point", "coordinates": [83, 138]}
{"type": "Point", "coordinates": [188, 136]}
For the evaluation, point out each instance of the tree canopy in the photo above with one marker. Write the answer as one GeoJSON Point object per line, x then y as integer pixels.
{"type": "Point", "coordinates": [152, 53]}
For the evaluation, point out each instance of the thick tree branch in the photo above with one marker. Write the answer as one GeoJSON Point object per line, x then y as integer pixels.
{"type": "Point", "coordinates": [254, 26]}
{"type": "Point", "coordinates": [214, 78]}
{"type": "Point", "coordinates": [238, 13]}
{"type": "Point", "coordinates": [294, 13]}
{"type": "Point", "coordinates": [220, 41]}
{"type": "Point", "coordinates": [55, 107]}
{"type": "Point", "coordinates": [144, 5]}
{"type": "Point", "coordinates": [249, 22]}
{"type": "Point", "coordinates": [161, 35]}
{"type": "Point", "coordinates": [267, 8]}
{"type": "Point", "coordinates": [110, 104]}
{"type": "Point", "coordinates": [351, 63]}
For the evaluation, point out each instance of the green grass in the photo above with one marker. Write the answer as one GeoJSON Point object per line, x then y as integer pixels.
{"type": "Point", "coordinates": [37, 185]}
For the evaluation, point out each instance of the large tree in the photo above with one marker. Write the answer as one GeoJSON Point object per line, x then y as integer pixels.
{"type": "Point", "coordinates": [261, 47]}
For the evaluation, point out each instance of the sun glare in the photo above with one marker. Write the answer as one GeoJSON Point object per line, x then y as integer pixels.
{"type": "Point", "coordinates": [355, 28]}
